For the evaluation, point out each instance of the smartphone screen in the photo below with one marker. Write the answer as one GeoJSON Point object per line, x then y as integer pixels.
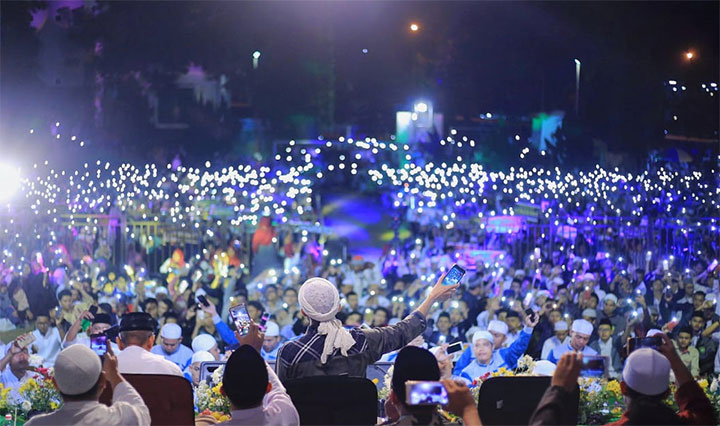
{"type": "Point", "coordinates": [263, 321]}
{"type": "Point", "coordinates": [241, 318]}
{"type": "Point", "coordinates": [653, 342]}
{"type": "Point", "coordinates": [454, 275]}
{"type": "Point", "coordinates": [425, 393]}
{"type": "Point", "coordinates": [455, 347]}
{"type": "Point", "coordinates": [98, 344]}
{"type": "Point", "coordinates": [593, 366]}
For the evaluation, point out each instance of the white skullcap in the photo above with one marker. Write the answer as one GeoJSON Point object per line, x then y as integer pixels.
{"type": "Point", "coordinates": [203, 342]}
{"type": "Point", "coordinates": [544, 368]}
{"type": "Point", "coordinates": [319, 299]}
{"type": "Point", "coordinates": [558, 281]}
{"type": "Point", "coordinates": [272, 329]}
{"type": "Point", "coordinates": [653, 332]}
{"type": "Point", "coordinates": [202, 356]}
{"type": "Point", "coordinates": [610, 296]}
{"type": "Point", "coordinates": [647, 371]}
{"type": "Point", "coordinates": [161, 290]}
{"type": "Point", "coordinates": [171, 331]}
{"type": "Point", "coordinates": [498, 327]}
{"type": "Point", "coordinates": [588, 277]}
{"type": "Point", "coordinates": [542, 293]}
{"type": "Point", "coordinates": [519, 273]}
{"type": "Point", "coordinates": [582, 326]}
{"type": "Point", "coordinates": [482, 335]}
{"type": "Point", "coordinates": [561, 326]}
{"type": "Point", "coordinates": [592, 313]}
{"type": "Point", "coordinates": [77, 369]}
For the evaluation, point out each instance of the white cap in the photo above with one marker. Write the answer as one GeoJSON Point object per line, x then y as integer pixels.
{"type": "Point", "coordinates": [161, 290]}
{"type": "Point", "coordinates": [558, 281]}
{"type": "Point", "coordinates": [610, 296]}
{"type": "Point", "coordinates": [203, 342]}
{"type": "Point", "coordinates": [653, 332]}
{"type": "Point", "coordinates": [202, 356]}
{"type": "Point", "coordinates": [592, 313]}
{"type": "Point", "coordinates": [544, 367]}
{"type": "Point", "coordinates": [77, 369]}
{"type": "Point", "coordinates": [647, 371]}
{"type": "Point", "coordinates": [482, 335]}
{"type": "Point", "coordinates": [582, 326]}
{"type": "Point", "coordinates": [498, 327]}
{"type": "Point", "coordinates": [272, 329]}
{"type": "Point", "coordinates": [542, 293]}
{"type": "Point", "coordinates": [561, 326]}
{"type": "Point", "coordinates": [171, 331]}
{"type": "Point", "coordinates": [519, 273]}
{"type": "Point", "coordinates": [588, 277]}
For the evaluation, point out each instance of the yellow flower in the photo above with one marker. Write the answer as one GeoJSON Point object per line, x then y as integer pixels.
{"type": "Point", "coordinates": [216, 389]}
{"type": "Point", "coordinates": [617, 410]}
{"type": "Point", "coordinates": [54, 405]}
{"type": "Point", "coordinates": [375, 381]}
{"type": "Point", "coordinates": [614, 387]}
{"type": "Point", "coordinates": [703, 383]}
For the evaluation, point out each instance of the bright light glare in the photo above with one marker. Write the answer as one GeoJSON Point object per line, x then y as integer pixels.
{"type": "Point", "coordinates": [414, 27]}
{"type": "Point", "coordinates": [421, 107]}
{"type": "Point", "coordinates": [689, 55]}
{"type": "Point", "coordinates": [256, 54]}
{"type": "Point", "coordinates": [9, 181]}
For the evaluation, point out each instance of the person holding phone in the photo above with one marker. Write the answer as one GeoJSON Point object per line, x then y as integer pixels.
{"type": "Point", "coordinates": [15, 365]}
{"type": "Point", "coordinates": [328, 349]}
{"type": "Point", "coordinates": [136, 340]}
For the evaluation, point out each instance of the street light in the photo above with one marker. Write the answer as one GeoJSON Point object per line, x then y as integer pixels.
{"type": "Point", "coordinates": [414, 27]}
{"type": "Point", "coordinates": [689, 55]}
{"type": "Point", "coordinates": [577, 86]}
{"type": "Point", "coordinates": [256, 58]}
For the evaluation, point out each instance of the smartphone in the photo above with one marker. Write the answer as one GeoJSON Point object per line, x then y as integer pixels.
{"type": "Point", "coordinates": [241, 318]}
{"type": "Point", "coordinates": [653, 342]}
{"type": "Point", "coordinates": [425, 393]}
{"type": "Point", "coordinates": [454, 275]}
{"type": "Point", "coordinates": [25, 340]}
{"type": "Point", "coordinates": [594, 366]}
{"type": "Point", "coordinates": [455, 347]}
{"type": "Point", "coordinates": [202, 299]}
{"type": "Point", "coordinates": [530, 313]}
{"type": "Point", "coordinates": [86, 322]}
{"type": "Point", "coordinates": [263, 321]}
{"type": "Point", "coordinates": [98, 344]}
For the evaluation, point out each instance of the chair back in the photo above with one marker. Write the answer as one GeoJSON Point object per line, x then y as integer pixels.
{"type": "Point", "coordinates": [334, 400]}
{"type": "Point", "coordinates": [169, 398]}
{"type": "Point", "coordinates": [510, 400]}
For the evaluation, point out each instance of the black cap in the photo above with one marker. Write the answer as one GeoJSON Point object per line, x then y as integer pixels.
{"type": "Point", "coordinates": [136, 321]}
{"type": "Point", "coordinates": [102, 319]}
{"type": "Point", "coordinates": [413, 363]}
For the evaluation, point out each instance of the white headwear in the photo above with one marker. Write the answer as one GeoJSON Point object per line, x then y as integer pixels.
{"type": "Point", "coordinates": [592, 313]}
{"type": "Point", "coordinates": [544, 367]}
{"type": "Point", "coordinates": [203, 342]}
{"type": "Point", "coordinates": [653, 332]}
{"type": "Point", "coordinates": [558, 281]}
{"type": "Point", "coordinates": [319, 299]}
{"type": "Point", "coordinates": [171, 331]}
{"type": "Point", "coordinates": [588, 277]}
{"type": "Point", "coordinates": [610, 296]}
{"type": "Point", "coordinates": [647, 371]}
{"type": "Point", "coordinates": [541, 293]}
{"type": "Point", "coordinates": [77, 369]}
{"type": "Point", "coordinates": [272, 329]}
{"type": "Point", "coordinates": [482, 335]}
{"type": "Point", "coordinates": [498, 327]}
{"type": "Point", "coordinates": [202, 356]}
{"type": "Point", "coordinates": [582, 326]}
{"type": "Point", "coordinates": [561, 326]}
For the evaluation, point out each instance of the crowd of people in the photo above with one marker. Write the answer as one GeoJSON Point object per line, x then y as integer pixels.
{"type": "Point", "coordinates": [330, 312]}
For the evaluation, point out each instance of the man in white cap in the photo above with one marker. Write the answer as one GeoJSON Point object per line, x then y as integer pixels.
{"type": "Point", "coordinates": [645, 385]}
{"type": "Point", "coordinates": [327, 348]}
{"type": "Point", "coordinates": [488, 354]}
{"type": "Point", "coordinates": [609, 311]}
{"type": "Point", "coordinates": [205, 342]}
{"type": "Point", "coordinates": [81, 377]}
{"type": "Point", "coordinates": [589, 315]}
{"type": "Point", "coordinates": [560, 338]}
{"type": "Point", "coordinates": [271, 342]}
{"type": "Point", "coordinates": [579, 336]}
{"type": "Point", "coordinates": [171, 347]}
{"type": "Point", "coordinates": [192, 372]}
{"type": "Point", "coordinates": [136, 339]}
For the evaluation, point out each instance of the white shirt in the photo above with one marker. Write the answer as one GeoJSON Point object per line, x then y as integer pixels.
{"type": "Point", "coordinates": [136, 360]}
{"type": "Point", "coordinates": [128, 408]}
{"type": "Point", "coordinates": [277, 408]}
{"type": "Point", "coordinates": [9, 380]}
{"type": "Point", "coordinates": [48, 346]}
{"type": "Point", "coordinates": [550, 344]}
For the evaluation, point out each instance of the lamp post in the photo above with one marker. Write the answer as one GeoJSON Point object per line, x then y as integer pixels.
{"type": "Point", "coordinates": [577, 87]}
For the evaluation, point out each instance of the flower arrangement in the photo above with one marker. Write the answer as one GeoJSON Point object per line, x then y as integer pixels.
{"type": "Point", "coordinates": [36, 395]}
{"type": "Point", "coordinates": [209, 400]}
{"type": "Point", "coordinates": [384, 392]}
{"type": "Point", "coordinates": [601, 401]}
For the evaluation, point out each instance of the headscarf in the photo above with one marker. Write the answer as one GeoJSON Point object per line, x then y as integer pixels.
{"type": "Point", "coordinates": [320, 301]}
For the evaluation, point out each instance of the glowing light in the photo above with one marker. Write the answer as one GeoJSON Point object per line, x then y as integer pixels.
{"type": "Point", "coordinates": [10, 178]}
{"type": "Point", "coordinates": [414, 27]}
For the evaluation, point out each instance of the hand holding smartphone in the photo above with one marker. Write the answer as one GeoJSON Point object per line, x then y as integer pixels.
{"type": "Point", "coordinates": [594, 366]}
{"type": "Point", "coordinates": [425, 393]}
{"type": "Point", "coordinates": [454, 275]}
{"type": "Point", "coordinates": [241, 318]}
{"type": "Point", "coordinates": [98, 344]}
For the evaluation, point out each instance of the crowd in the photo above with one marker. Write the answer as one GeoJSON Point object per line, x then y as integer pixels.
{"type": "Point", "coordinates": [329, 312]}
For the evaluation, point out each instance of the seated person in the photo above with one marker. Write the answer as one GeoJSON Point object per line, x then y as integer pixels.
{"type": "Point", "coordinates": [488, 357]}
{"type": "Point", "coordinates": [192, 372]}
{"type": "Point", "coordinates": [413, 363]}
{"type": "Point", "coordinates": [580, 333]}
{"type": "Point", "coordinates": [256, 395]}
{"type": "Point", "coordinates": [172, 348]}
{"type": "Point", "coordinates": [645, 385]}
{"type": "Point", "coordinates": [560, 338]}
